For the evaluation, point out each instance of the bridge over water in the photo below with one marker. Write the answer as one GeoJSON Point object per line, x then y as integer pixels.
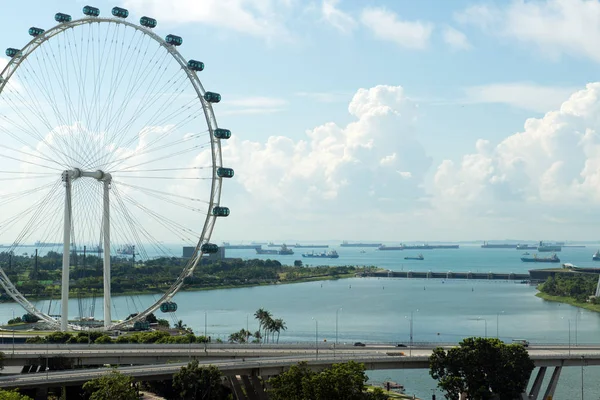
{"type": "Point", "coordinates": [453, 275]}
{"type": "Point", "coordinates": [243, 364]}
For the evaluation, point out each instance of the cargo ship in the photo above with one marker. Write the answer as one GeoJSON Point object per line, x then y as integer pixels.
{"type": "Point", "coordinates": [526, 247]}
{"type": "Point", "coordinates": [227, 245]}
{"type": "Point", "coordinates": [285, 251]}
{"type": "Point", "coordinates": [487, 245]}
{"type": "Point", "coordinates": [419, 247]}
{"type": "Point", "coordinates": [271, 244]}
{"type": "Point", "coordinates": [311, 246]}
{"type": "Point", "coordinates": [127, 250]}
{"type": "Point", "coordinates": [346, 244]}
{"type": "Point", "coordinates": [329, 254]}
{"type": "Point", "coordinates": [552, 259]}
{"type": "Point", "coordinates": [419, 257]}
{"type": "Point", "coordinates": [596, 256]}
{"type": "Point", "coordinates": [263, 251]}
{"type": "Point", "coordinates": [547, 248]}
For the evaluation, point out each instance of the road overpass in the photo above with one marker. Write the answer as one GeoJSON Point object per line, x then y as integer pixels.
{"type": "Point", "coordinates": [247, 362]}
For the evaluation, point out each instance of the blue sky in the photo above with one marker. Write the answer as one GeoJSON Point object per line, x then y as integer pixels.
{"type": "Point", "coordinates": [435, 145]}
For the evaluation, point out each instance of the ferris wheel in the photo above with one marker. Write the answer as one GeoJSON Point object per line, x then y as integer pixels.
{"type": "Point", "coordinates": [108, 145]}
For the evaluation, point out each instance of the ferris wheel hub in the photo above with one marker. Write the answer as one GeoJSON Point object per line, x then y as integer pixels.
{"type": "Point", "coordinates": [76, 173]}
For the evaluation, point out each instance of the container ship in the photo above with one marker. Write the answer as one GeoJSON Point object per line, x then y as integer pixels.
{"type": "Point", "coordinates": [487, 245]}
{"type": "Point", "coordinates": [419, 247]}
{"type": "Point", "coordinates": [271, 244]}
{"type": "Point", "coordinates": [552, 259]}
{"type": "Point", "coordinates": [547, 248]}
{"type": "Point", "coordinates": [346, 244]}
{"type": "Point", "coordinates": [329, 254]}
{"type": "Point", "coordinates": [526, 247]}
{"type": "Point", "coordinates": [227, 245]}
{"type": "Point", "coordinates": [283, 251]}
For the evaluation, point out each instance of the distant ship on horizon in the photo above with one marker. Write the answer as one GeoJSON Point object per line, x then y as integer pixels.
{"type": "Point", "coordinates": [552, 259]}
{"type": "Point", "coordinates": [346, 244]}
{"type": "Point", "coordinates": [329, 254]}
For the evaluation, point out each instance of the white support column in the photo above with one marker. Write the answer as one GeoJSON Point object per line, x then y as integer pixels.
{"type": "Point", "coordinates": [106, 231]}
{"type": "Point", "coordinates": [64, 318]}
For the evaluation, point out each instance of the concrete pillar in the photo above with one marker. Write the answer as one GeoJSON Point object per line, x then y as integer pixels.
{"type": "Point", "coordinates": [237, 388]}
{"type": "Point", "coordinates": [537, 384]}
{"type": "Point", "coordinates": [249, 388]}
{"type": "Point", "coordinates": [258, 387]}
{"type": "Point", "coordinates": [552, 384]}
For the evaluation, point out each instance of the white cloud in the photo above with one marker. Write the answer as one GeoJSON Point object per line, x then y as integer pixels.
{"type": "Point", "coordinates": [338, 169]}
{"type": "Point", "coordinates": [456, 39]}
{"type": "Point", "coordinates": [552, 167]}
{"type": "Point", "coordinates": [527, 96]}
{"type": "Point", "coordinates": [336, 17]}
{"type": "Point", "coordinates": [554, 27]}
{"type": "Point", "coordinates": [261, 18]}
{"type": "Point", "coordinates": [386, 25]}
{"type": "Point", "coordinates": [325, 97]}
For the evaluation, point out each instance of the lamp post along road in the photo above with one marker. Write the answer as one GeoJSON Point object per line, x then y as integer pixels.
{"type": "Point", "coordinates": [336, 329]}
{"type": "Point", "coordinates": [316, 339]}
{"type": "Point", "coordinates": [498, 324]}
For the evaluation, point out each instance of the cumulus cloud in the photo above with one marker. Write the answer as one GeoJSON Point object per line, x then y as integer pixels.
{"type": "Point", "coordinates": [554, 27]}
{"type": "Point", "coordinates": [386, 25]}
{"type": "Point", "coordinates": [339, 169]}
{"type": "Point", "coordinates": [336, 17]}
{"type": "Point", "coordinates": [456, 39]}
{"type": "Point", "coordinates": [261, 18]}
{"type": "Point", "coordinates": [550, 168]}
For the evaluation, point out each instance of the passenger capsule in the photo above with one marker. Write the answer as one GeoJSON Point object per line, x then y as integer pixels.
{"type": "Point", "coordinates": [169, 306]}
{"type": "Point", "coordinates": [220, 211]}
{"type": "Point", "coordinates": [60, 17]}
{"type": "Point", "coordinates": [209, 248]}
{"type": "Point", "coordinates": [120, 12]}
{"type": "Point", "coordinates": [141, 326]}
{"type": "Point", "coordinates": [91, 11]}
{"type": "Point", "coordinates": [174, 40]}
{"type": "Point", "coordinates": [10, 52]}
{"type": "Point", "coordinates": [212, 97]}
{"type": "Point", "coordinates": [195, 65]}
{"type": "Point", "coordinates": [33, 31]}
{"type": "Point", "coordinates": [222, 133]}
{"type": "Point", "coordinates": [225, 172]}
{"type": "Point", "coordinates": [148, 22]}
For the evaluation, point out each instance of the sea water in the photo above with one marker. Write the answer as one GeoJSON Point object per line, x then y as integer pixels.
{"type": "Point", "coordinates": [379, 309]}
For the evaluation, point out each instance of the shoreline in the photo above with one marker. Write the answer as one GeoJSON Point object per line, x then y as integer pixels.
{"type": "Point", "coordinates": [200, 289]}
{"type": "Point", "coordinates": [568, 300]}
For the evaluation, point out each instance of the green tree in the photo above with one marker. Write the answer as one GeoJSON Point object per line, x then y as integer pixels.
{"type": "Point", "coordinates": [195, 382]}
{"type": "Point", "coordinates": [482, 368]}
{"type": "Point", "coordinates": [344, 381]}
{"type": "Point", "coordinates": [112, 386]}
{"type": "Point", "coordinates": [12, 395]}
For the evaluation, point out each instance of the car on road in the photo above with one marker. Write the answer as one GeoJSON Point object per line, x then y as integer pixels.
{"type": "Point", "coordinates": [401, 345]}
{"type": "Point", "coordinates": [359, 344]}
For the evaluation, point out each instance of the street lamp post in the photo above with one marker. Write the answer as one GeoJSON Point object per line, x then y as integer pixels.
{"type": "Point", "coordinates": [316, 338]}
{"type": "Point", "coordinates": [569, 322]}
{"type": "Point", "coordinates": [205, 337]}
{"type": "Point", "coordinates": [498, 324]}
{"type": "Point", "coordinates": [411, 330]}
{"type": "Point", "coordinates": [13, 332]}
{"type": "Point", "coordinates": [485, 322]}
{"type": "Point", "coordinates": [336, 328]}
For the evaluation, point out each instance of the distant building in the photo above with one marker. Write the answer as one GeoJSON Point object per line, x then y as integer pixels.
{"type": "Point", "coordinates": [188, 252]}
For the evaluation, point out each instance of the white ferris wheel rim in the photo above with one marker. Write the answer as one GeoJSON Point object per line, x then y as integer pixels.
{"type": "Point", "coordinates": [215, 145]}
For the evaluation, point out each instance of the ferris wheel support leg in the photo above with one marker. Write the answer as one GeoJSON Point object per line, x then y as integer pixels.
{"type": "Point", "coordinates": [64, 318]}
{"type": "Point", "coordinates": [106, 230]}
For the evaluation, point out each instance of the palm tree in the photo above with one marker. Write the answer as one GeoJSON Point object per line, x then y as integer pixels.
{"type": "Point", "coordinates": [260, 315]}
{"type": "Point", "coordinates": [280, 327]}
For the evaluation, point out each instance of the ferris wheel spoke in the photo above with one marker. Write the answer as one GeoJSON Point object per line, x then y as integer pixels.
{"type": "Point", "coordinates": [175, 202]}
{"type": "Point", "coordinates": [155, 191]}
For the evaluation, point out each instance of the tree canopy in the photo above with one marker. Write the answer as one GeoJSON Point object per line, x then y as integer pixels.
{"type": "Point", "coordinates": [196, 382]}
{"type": "Point", "coordinates": [12, 395]}
{"type": "Point", "coordinates": [344, 381]}
{"type": "Point", "coordinates": [112, 386]}
{"type": "Point", "coordinates": [482, 368]}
